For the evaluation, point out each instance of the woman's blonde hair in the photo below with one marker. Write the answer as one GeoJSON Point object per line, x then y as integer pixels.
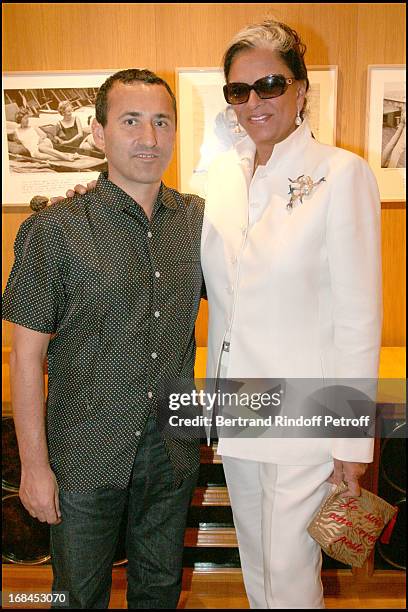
{"type": "Point", "coordinates": [62, 106]}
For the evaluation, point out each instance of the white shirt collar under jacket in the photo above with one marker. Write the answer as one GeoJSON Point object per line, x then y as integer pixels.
{"type": "Point", "coordinates": [293, 144]}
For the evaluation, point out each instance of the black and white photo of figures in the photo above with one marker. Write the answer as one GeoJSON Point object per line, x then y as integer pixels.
{"type": "Point", "coordinates": [393, 129]}
{"type": "Point", "coordinates": [49, 130]}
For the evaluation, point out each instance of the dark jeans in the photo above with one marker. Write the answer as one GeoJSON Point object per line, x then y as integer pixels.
{"type": "Point", "coordinates": [84, 544]}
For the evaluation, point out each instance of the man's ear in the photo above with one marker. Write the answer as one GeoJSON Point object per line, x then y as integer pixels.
{"type": "Point", "coordinates": [98, 134]}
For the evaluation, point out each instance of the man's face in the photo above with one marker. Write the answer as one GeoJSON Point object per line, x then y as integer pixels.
{"type": "Point", "coordinates": [139, 135]}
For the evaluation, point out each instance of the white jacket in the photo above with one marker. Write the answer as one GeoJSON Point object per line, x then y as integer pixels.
{"type": "Point", "coordinates": [298, 295]}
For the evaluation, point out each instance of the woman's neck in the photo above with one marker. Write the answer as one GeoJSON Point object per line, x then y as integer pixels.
{"type": "Point", "coordinates": [263, 153]}
{"type": "Point", "coordinates": [260, 160]}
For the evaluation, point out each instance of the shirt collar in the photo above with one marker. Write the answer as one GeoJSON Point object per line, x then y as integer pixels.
{"type": "Point", "coordinates": [115, 198]}
{"type": "Point", "coordinates": [296, 141]}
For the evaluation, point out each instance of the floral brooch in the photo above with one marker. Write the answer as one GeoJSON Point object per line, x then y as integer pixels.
{"type": "Point", "coordinates": [300, 187]}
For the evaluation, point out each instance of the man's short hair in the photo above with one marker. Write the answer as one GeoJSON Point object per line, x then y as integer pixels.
{"type": "Point", "coordinates": [129, 76]}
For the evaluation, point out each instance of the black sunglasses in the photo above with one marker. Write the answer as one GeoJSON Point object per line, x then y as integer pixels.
{"type": "Point", "coordinates": [271, 86]}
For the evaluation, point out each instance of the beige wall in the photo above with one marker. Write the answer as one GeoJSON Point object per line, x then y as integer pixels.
{"type": "Point", "coordinates": [165, 36]}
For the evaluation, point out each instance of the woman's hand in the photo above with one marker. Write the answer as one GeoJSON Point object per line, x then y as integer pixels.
{"type": "Point", "coordinates": [349, 472]}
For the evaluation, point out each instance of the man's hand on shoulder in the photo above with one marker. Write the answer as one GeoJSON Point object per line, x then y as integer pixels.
{"type": "Point", "coordinates": [80, 189]}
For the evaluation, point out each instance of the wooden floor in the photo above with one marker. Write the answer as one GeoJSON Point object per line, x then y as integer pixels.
{"type": "Point", "coordinates": [204, 590]}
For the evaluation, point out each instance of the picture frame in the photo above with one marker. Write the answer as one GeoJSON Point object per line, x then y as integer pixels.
{"type": "Point", "coordinates": [385, 129]}
{"type": "Point", "coordinates": [208, 125]}
{"type": "Point", "coordinates": [31, 165]}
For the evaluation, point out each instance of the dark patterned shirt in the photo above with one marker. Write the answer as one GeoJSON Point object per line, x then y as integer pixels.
{"type": "Point", "coordinates": [120, 295]}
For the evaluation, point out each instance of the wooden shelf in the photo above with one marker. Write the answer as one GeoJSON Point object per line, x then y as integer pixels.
{"type": "Point", "coordinates": [208, 454]}
{"type": "Point", "coordinates": [217, 536]}
{"type": "Point", "coordinates": [211, 496]}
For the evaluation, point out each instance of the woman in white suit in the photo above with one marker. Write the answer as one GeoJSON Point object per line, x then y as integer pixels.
{"type": "Point", "coordinates": [291, 258]}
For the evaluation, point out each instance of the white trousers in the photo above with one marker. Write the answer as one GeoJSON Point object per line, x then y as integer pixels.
{"type": "Point", "coordinates": [272, 507]}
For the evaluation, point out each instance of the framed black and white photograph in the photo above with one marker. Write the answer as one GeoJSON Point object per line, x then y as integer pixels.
{"type": "Point", "coordinates": [209, 126]}
{"type": "Point", "coordinates": [47, 133]}
{"type": "Point", "coordinates": [385, 133]}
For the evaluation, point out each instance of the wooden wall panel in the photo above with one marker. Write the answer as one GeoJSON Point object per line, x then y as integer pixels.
{"type": "Point", "coordinates": [393, 245]}
{"type": "Point", "coordinates": [394, 276]}
{"type": "Point", "coordinates": [79, 36]}
{"type": "Point", "coordinates": [162, 37]}
{"type": "Point", "coordinates": [11, 222]}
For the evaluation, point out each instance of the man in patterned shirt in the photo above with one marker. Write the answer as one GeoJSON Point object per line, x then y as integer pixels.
{"type": "Point", "coordinates": [107, 286]}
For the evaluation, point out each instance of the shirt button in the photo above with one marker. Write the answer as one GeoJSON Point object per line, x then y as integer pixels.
{"type": "Point", "coordinates": [157, 314]}
{"type": "Point", "coordinates": [138, 433]}
{"type": "Point", "coordinates": [243, 229]}
{"type": "Point", "coordinates": [154, 355]}
{"type": "Point", "coordinates": [150, 394]}
{"type": "Point", "coordinates": [255, 204]}
{"type": "Point", "coordinates": [149, 234]}
{"type": "Point", "coordinates": [230, 289]}
{"type": "Point", "coordinates": [157, 274]}
{"type": "Point", "coordinates": [234, 260]}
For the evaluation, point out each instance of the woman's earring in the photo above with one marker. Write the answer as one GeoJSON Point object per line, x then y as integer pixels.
{"type": "Point", "coordinates": [298, 120]}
